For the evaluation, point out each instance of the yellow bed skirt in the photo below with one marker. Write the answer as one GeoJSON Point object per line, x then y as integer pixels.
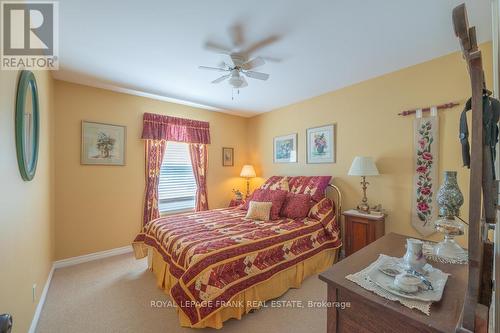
{"type": "Point", "coordinates": [272, 288]}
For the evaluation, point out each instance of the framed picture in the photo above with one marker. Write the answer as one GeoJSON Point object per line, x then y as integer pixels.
{"type": "Point", "coordinates": [285, 148]}
{"type": "Point", "coordinates": [321, 144]}
{"type": "Point", "coordinates": [227, 156]}
{"type": "Point", "coordinates": [103, 144]}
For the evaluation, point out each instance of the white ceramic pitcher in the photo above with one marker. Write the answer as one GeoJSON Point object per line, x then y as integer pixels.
{"type": "Point", "coordinates": [414, 257]}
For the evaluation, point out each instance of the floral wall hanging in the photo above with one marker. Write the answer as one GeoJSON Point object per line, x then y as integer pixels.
{"type": "Point", "coordinates": [425, 179]}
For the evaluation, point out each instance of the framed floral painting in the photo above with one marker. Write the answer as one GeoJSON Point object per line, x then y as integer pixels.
{"type": "Point", "coordinates": [103, 144]}
{"type": "Point", "coordinates": [285, 149]}
{"type": "Point", "coordinates": [227, 156]}
{"type": "Point", "coordinates": [321, 144]}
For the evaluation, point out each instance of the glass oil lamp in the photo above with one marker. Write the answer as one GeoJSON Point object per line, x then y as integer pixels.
{"type": "Point", "coordinates": [449, 200]}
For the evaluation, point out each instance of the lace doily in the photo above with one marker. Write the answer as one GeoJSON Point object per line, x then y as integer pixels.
{"type": "Point", "coordinates": [361, 279]}
{"type": "Point", "coordinates": [428, 250]}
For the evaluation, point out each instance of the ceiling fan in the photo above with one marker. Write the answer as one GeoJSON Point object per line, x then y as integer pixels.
{"type": "Point", "coordinates": [238, 69]}
{"type": "Point", "coordinates": [241, 64]}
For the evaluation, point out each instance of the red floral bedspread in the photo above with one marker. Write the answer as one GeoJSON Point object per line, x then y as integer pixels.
{"type": "Point", "coordinates": [218, 253]}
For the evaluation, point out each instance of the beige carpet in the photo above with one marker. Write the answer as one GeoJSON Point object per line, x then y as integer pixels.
{"type": "Point", "coordinates": [115, 294]}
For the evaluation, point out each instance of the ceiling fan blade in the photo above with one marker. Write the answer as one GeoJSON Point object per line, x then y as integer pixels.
{"type": "Point", "coordinates": [230, 61]}
{"type": "Point", "coordinates": [217, 48]}
{"type": "Point", "coordinates": [256, 46]}
{"type": "Point", "coordinates": [271, 59]}
{"type": "Point", "coordinates": [257, 75]}
{"type": "Point", "coordinates": [236, 32]}
{"type": "Point", "coordinates": [254, 63]}
{"type": "Point", "coordinates": [222, 78]}
{"type": "Point", "coordinates": [222, 64]}
{"type": "Point", "coordinates": [213, 68]}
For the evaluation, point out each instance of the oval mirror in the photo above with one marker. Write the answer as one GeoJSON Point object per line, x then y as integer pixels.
{"type": "Point", "coordinates": [27, 124]}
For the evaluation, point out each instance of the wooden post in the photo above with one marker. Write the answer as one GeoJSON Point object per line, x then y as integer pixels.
{"type": "Point", "coordinates": [474, 317]}
{"type": "Point", "coordinates": [475, 206]}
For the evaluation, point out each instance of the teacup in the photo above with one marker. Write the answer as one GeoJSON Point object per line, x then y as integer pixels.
{"type": "Point", "coordinates": [407, 282]}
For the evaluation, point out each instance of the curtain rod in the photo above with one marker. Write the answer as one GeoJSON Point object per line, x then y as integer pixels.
{"type": "Point", "coordinates": [439, 107]}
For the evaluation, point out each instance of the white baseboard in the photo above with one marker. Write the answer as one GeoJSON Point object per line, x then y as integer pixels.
{"type": "Point", "coordinates": [41, 302]}
{"type": "Point", "coordinates": [92, 256]}
{"type": "Point", "coordinates": [71, 262]}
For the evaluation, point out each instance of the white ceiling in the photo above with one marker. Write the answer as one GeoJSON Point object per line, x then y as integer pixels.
{"type": "Point", "coordinates": [154, 48]}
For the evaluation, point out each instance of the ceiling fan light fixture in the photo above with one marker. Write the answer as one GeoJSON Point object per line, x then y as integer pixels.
{"type": "Point", "coordinates": [236, 81]}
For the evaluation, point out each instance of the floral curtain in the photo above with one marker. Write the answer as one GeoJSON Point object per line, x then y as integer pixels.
{"type": "Point", "coordinates": [199, 160]}
{"type": "Point", "coordinates": [157, 130]}
{"type": "Point", "coordinates": [155, 150]}
{"type": "Point", "coordinates": [160, 127]}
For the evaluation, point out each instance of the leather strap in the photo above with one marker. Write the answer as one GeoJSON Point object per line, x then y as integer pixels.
{"type": "Point", "coordinates": [491, 115]}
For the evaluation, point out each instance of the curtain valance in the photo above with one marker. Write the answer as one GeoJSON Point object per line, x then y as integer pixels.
{"type": "Point", "coordinates": [160, 127]}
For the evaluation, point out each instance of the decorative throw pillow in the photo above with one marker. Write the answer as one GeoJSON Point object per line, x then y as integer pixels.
{"type": "Point", "coordinates": [315, 186]}
{"type": "Point", "coordinates": [322, 209]}
{"type": "Point", "coordinates": [277, 197]}
{"type": "Point", "coordinates": [259, 210]}
{"type": "Point", "coordinates": [296, 206]}
{"type": "Point", "coordinates": [276, 183]}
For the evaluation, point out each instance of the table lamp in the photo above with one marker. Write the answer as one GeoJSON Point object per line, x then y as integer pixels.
{"type": "Point", "coordinates": [247, 172]}
{"type": "Point", "coordinates": [363, 166]}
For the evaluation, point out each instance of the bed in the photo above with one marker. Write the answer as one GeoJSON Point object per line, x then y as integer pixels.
{"type": "Point", "coordinates": [217, 265]}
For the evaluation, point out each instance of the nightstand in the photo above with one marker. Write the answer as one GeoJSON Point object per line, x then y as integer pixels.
{"type": "Point", "coordinates": [236, 202]}
{"type": "Point", "coordinates": [361, 229]}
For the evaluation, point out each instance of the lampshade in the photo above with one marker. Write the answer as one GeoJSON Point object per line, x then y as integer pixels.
{"type": "Point", "coordinates": [363, 166]}
{"type": "Point", "coordinates": [248, 171]}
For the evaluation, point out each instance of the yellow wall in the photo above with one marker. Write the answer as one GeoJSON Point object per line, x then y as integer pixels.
{"type": "Point", "coordinates": [26, 208]}
{"type": "Point", "coordinates": [90, 210]}
{"type": "Point", "coordinates": [100, 207]}
{"type": "Point", "coordinates": [367, 124]}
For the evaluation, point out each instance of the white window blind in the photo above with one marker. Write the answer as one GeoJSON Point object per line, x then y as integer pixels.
{"type": "Point", "coordinates": [177, 187]}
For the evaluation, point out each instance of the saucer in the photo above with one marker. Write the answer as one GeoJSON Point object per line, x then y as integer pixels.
{"type": "Point", "coordinates": [386, 282]}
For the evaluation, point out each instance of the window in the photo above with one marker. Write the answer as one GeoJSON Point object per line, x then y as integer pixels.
{"type": "Point", "coordinates": [177, 187]}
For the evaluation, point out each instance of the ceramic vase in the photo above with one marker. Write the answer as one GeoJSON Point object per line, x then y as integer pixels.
{"type": "Point", "coordinates": [449, 196]}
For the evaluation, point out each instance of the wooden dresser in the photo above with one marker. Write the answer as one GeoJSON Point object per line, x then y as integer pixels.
{"type": "Point", "coordinates": [369, 312]}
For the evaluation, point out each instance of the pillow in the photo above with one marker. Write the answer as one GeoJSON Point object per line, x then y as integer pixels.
{"type": "Point", "coordinates": [277, 197]}
{"type": "Point", "coordinates": [272, 183]}
{"type": "Point", "coordinates": [276, 183]}
{"type": "Point", "coordinates": [296, 206]}
{"type": "Point", "coordinates": [315, 186]}
{"type": "Point", "coordinates": [259, 210]}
